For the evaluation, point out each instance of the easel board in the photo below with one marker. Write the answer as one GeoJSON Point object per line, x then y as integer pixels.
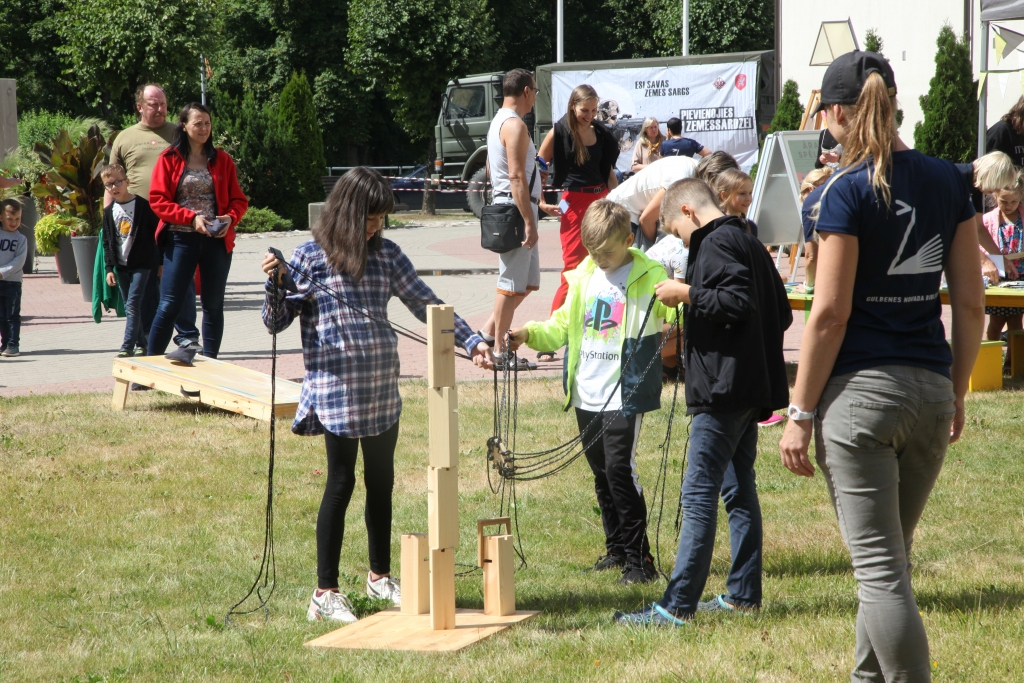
{"type": "Point", "coordinates": [788, 156]}
{"type": "Point", "coordinates": [392, 630]}
{"type": "Point", "coordinates": [220, 384]}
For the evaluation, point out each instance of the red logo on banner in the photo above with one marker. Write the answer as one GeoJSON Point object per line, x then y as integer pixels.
{"type": "Point", "coordinates": [719, 83]}
{"type": "Point", "coordinates": [741, 82]}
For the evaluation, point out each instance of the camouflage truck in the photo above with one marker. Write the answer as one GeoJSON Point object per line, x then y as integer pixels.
{"type": "Point", "coordinates": [470, 103]}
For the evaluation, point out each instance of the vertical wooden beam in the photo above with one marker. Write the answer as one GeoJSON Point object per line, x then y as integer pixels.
{"type": "Point", "coordinates": [443, 414]}
{"type": "Point", "coordinates": [443, 507]}
{"type": "Point", "coordinates": [442, 588]}
{"type": "Point", "coordinates": [440, 346]}
{"type": "Point", "coordinates": [415, 574]}
{"type": "Point", "coordinates": [499, 586]}
{"type": "Point", "coordinates": [120, 394]}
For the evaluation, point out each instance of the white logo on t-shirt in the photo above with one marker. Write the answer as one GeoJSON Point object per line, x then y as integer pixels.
{"type": "Point", "coordinates": [928, 258]}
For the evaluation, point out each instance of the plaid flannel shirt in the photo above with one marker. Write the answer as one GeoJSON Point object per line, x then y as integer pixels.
{"type": "Point", "coordinates": [350, 385]}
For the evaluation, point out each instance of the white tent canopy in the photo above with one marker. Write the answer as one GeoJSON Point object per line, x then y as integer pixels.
{"type": "Point", "coordinates": [1002, 10]}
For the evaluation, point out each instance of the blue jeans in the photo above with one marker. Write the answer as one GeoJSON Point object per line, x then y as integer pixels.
{"type": "Point", "coordinates": [10, 314]}
{"type": "Point", "coordinates": [185, 251]}
{"type": "Point", "coordinates": [132, 284]}
{"type": "Point", "coordinates": [723, 447]}
{"type": "Point", "coordinates": [185, 325]}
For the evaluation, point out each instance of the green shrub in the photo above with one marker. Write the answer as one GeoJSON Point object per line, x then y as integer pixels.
{"type": "Point", "coordinates": [304, 147]}
{"type": "Point", "coordinates": [262, 220]}
{"type": "Point", "coordinates": [42, 126]}
{"type": "Point", "coordinates": [950, 126]}
{"type": "Point", "coordinates": [50, 227]}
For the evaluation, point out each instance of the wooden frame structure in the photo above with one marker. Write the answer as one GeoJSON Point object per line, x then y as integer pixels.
{"type": "Point", "coordinates": [428, 619]}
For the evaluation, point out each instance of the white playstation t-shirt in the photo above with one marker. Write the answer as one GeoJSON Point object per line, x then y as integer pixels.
{"type": "Point", "coordinates": [600, 363]}
{"type": "Point", "coordinates": [124, 218]}
{"type": "Point", "coordinates": [636, 192]}
{"type": "Point", "coordinates": [671, 253]}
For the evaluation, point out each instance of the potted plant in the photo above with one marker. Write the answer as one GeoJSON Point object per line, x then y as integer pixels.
{"type": "Point", "coordinates": [53, 237]}
{"type": "Point", "coordinates": [73, 181]}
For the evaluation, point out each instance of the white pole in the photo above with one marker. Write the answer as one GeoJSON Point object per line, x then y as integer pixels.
{"type": "Point", "coordinates": [559, 37]}
{"type": "Point", "coordinates": [983, 100]}
{"type": "Point", "coordinates": [202, 78]}
{"type": "Point", "coordinates": [686, 28]}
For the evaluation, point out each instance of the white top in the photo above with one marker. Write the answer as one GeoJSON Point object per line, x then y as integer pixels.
{"type": "Point", "coordinates": [601, 349]}
{"type": "Point", "coordinates": [497, 160]}
{"type": "Point", "coordinates": [124, 218]}
{"type": "Point", "coordinates": [671, 253]}
{"type": "Point", "coordinates": [636, 192]}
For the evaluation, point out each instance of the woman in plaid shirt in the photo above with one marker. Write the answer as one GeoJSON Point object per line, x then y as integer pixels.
{"type": "Point", "coordinates": [350, 389]}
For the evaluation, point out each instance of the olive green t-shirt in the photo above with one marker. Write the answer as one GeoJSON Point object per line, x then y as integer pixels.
{"type": "Point", "coordinates": [137, 149]}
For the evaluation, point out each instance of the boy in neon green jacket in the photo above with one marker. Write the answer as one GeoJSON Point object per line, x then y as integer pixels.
{"type": "Point", "coordinates": [612, 374]}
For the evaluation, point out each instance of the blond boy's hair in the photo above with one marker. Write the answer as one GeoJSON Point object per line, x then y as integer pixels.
{"type": "Point", "coordinates": [689, 191]}
{"type": "Point", "coordinates": [813, 179]}
{"type": "Point", "coordinates": [111, 169]}
{"type": "Point", "coordinates": [994, 171]}
{"type": "Point", "coordinates": [603, 223]}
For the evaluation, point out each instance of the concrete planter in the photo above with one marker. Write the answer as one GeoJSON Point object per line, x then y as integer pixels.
{"type": "Point", "coordinates": [65, 258]}
{"type": "Point", "coordinates": [85, 257]}
{"type": "Point", "coordinates": [29, 216]}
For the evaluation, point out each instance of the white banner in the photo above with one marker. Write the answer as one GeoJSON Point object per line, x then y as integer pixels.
{"type": "Point", "coordinates": [715, 102]}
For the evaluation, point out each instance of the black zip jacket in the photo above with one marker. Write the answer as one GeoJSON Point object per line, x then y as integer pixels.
{"type": "Point", "coordinates": [565, 155]}
{"type": "Point", "coordinates": [143, 253]}
{"type": "Point", "coordinates": [734, 323]}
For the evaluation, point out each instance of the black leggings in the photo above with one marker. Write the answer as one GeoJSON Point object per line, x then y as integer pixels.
{"type": "Point", "coordinates": [379, 477]}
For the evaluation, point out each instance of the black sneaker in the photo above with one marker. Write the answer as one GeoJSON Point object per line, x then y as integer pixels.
{"type": "Point", "coordinates": [638, 573]}
{"type": "Point", "coordinates": [608, 561]}
{"type": "Point", "coordinates": [125, 352]}
{"type": "Point", "coordinates": [141, 351]}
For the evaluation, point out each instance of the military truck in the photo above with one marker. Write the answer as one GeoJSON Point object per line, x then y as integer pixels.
{"type": "Point", "coordinates": [470, 103]}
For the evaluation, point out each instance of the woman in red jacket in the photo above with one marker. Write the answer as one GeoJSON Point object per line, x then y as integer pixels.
{"type": "Point", "coordinates": [196, 196]}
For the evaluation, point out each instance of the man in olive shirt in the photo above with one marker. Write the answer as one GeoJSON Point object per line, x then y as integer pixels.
{"type": "Point", "coordinates": [137, 148]}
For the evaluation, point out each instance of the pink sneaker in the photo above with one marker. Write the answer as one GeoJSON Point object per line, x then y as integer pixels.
{"type": "Point", "coordinates": [773, 420]}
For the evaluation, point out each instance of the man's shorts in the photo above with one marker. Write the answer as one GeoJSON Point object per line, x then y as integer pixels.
{"type": "Point", "coordinates": [519, 269]}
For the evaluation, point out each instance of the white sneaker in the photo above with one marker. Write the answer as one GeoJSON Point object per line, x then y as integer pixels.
{"type": "Point", "coordinates": [330, 605]}
{"type": "Point", "coordinates": [385, 588]}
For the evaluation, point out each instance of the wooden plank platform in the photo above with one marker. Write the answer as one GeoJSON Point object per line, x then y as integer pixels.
{"type": "Point", "coordinates": [220, 384]}
{"type": "Point", "coordinates": [392, 630]}
{"type": "Point", "coordinates": [994, 296]}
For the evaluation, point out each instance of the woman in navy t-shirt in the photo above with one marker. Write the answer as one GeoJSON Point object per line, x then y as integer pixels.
{"type": "Point", "coordinates": [878, 383]}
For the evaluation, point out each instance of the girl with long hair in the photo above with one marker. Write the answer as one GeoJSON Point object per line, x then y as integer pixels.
{"type": "Point", "coordinates": [350, 388]}
{"type": "Point", "coordinates": [584, 153]}
{"type": "Point", "coordinates": [878, 385]}
{"type": "Point", "coordinates": [648, 146]}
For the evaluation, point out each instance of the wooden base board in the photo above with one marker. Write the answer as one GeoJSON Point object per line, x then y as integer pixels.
{"type": "Point", "coordinates": [392, 630]}
{"type": "Point", "coordinates": [220, 384]}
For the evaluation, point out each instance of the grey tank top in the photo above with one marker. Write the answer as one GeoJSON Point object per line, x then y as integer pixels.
{"type": "Point", "coordinates": [497, 160]}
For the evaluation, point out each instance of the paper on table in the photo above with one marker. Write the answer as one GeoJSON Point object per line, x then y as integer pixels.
{"type": "Point", "coordinates": [997, 259]}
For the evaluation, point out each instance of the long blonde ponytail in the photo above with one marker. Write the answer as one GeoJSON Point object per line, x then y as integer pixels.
{"type": "Point", "coordinates": [581, 93]}
{"type": "Point", "coordinates": [871, 133]}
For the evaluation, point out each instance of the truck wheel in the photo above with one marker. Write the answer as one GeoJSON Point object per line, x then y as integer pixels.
{"type": "Point", "coordinates": [479, 194]}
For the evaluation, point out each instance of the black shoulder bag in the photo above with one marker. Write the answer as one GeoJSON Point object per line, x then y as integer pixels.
{"type": "Point", "coordinates": [502, 226]}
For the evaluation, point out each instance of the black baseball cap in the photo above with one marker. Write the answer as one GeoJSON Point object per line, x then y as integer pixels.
{"type": "Point", "coordinates": [845, 77]}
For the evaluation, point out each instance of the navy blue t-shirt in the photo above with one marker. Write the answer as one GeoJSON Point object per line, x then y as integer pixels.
{"type": "Point", "coordinates": [805, 211]}
{"type": "Point", "coordinates": [903, 248]}
{"type": "Point", "coordinates": [680, 147]}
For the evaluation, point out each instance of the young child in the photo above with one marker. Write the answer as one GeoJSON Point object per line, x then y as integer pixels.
{"type": "Point", "coordinates": [735, 192]}
{"type": "Point", "coordinates": [129, 229]}
{"type": "Point", "coordinates": [1004, 224]}
{"type": "Point", "coordinates": [350, 389]}
{"type": "Point", "coordinates": [13, 250]}
{"type": "Point", "coordinates": [810, 195]}
{"type": "Point", "coordinates": [609, 293]}
{"type": "Point", "coordinates": [735, 317]}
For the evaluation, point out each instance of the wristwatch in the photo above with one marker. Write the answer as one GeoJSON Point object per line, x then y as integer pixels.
{"type": "Point", "coordinates": [794, 413]}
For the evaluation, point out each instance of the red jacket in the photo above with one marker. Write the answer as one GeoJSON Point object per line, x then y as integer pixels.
{"type": "Point", "coordinates": [231, 200]}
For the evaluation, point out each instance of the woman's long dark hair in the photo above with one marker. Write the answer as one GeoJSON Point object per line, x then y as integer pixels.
{"type": "Point", "coordinates": [180, 140]}
{"type": "Point", "coordinates": [341, 228]}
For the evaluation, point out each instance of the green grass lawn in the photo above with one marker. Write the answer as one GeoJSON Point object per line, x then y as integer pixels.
{"type": "Point", "coordinates": [125, 537]}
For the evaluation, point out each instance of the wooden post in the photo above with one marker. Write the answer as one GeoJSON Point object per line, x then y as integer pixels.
{"type": "Point", "coordinates": [415, 574]}
{"type": "Point", "coordinates": [443, 472]}
{"type": "Point", "coordinates": [499, 586]}
{"type": "Point", "coordinates": [120, 394]}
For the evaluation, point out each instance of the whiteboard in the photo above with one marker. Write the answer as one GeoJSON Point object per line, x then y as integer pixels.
{"type": "Point", "coordinates": [787, 157]}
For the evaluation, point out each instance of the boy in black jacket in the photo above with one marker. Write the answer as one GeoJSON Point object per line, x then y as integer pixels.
{"type": "Point", "coordinates": [735, 315]}
{"type": "Point", "coordinates": [129, 245]}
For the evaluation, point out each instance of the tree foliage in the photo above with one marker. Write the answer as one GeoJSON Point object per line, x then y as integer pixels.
{"type": "Point", "coordinates": [790, 113]}
{"type": "Point", "coordinates": [949, 128]}
{"type": "Point", "coordinates": [730, 26]}
{"type": "Point", "coordinates": [304, 147]}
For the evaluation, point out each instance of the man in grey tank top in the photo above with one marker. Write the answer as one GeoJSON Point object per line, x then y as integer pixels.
{"type": "Point", "coordinates": [511, 161]}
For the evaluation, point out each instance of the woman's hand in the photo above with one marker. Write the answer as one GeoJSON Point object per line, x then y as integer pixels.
{"type": "Point", "coordinates": [959, 418]}
{"type": "Point", "coordinates": [672, 293]}
{"type": "Point", "coordinates": [111, 280]}
{"type": "Point", "coordinates": [796, 440]}
{"type": "Point", "coordinates": [482, 356]}
{"type": "Point", "coordinates": [224, 231]}
{"type": "Point", "coordinates": [199, 223]}
{"type": "Point", "coordinates": [551, 209]}
{"type": "Point", "coordinates": [270, 264]}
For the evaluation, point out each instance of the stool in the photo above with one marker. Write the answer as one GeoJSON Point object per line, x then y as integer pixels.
{"type": "Point", "coordinates": [987, 374]}
{"type": "Point", "coordinates": [1015, 348]}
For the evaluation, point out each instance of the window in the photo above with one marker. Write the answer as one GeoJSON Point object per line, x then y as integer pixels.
{"type": "Point", "coordinates": [466, 103]}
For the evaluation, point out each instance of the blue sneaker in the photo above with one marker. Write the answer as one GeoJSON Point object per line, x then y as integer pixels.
{"type": "Point", "coordinates": [652, 615]}
{"type": "Point", "coordinates": [12, 351]}
{"type": "Point", "coordinates": [720, 604]}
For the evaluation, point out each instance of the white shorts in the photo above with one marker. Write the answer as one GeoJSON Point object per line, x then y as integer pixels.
{"type": "Point", "coordinates": [519, 269]}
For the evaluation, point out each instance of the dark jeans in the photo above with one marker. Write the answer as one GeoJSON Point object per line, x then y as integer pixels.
{"type": "Point", "coordinates": [723, 447]}
{"type": "Point", "coordinates": [10, 314]}
{"type": "Point", "coordinates": [185, 251]}
{"type": "Point", "coordinates": [185, 325]}
{"type": "Point", "coordinates": [612, 459]}
{"type": "Point", "coordinates": [132, 284]}
{"type": "Point", "coordinates": [379, 477]}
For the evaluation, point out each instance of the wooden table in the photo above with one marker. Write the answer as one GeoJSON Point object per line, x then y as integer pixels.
{"type": "Point", "coordinates": [994, 296]}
